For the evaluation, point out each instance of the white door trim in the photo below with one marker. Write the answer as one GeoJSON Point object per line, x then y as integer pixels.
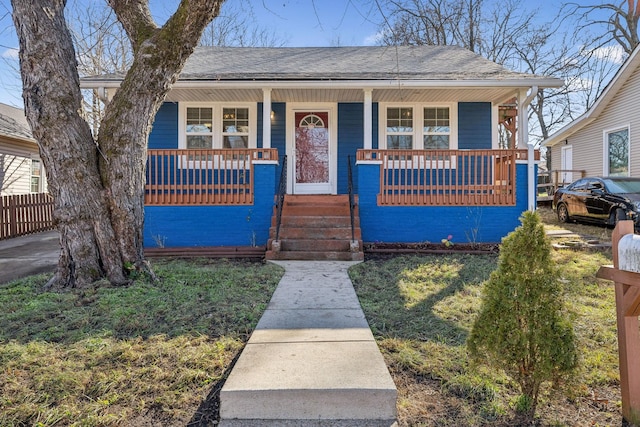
{"type": "Point", "coordinates": [566, 163]}
{"type": "Point", "coordinates": [332, 109]}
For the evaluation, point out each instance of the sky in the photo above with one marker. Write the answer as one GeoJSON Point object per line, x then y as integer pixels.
{"type": "Point", "coordinates": [292, 22]}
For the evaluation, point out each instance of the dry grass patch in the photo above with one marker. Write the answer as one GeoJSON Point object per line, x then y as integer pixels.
{"type": "Point", "coordinates": [421, 309]}
{"type": "Point", "coordinates": [146, 354]}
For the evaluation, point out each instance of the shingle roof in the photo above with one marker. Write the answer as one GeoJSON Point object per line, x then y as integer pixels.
{"type": "Point", "coordinates": [13, 123]}
{"type": "Point", "coordinates": [423, 63]}
{"type": "Point", "coordinates": [342, 63]}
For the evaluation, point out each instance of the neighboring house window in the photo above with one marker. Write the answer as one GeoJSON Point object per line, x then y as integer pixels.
{"type": "Point", "coordinates": [402, 128]}
{"type": "Point", "coordinates": [617, 152]}
{"type": "Point", "coordinates": [205, 126]}
{"type": "Point", "coordinates": [36, 176]}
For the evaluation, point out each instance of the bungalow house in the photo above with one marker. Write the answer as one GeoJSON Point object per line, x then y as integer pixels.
{"type": "Point", "coordinates": [308, 152]}
{"type": "Point", "coordinates": [21, 170]}
{"type": "Point", "coordinates": [600, 142]}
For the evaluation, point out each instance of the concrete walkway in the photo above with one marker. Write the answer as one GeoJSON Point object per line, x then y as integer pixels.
{"type": "Point", "coordinates": [312, 360]}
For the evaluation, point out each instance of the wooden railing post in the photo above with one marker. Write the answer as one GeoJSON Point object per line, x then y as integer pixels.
{"type": "Point", "coordinates": [627, 291]}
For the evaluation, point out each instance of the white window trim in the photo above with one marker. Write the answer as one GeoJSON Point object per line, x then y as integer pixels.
{"type": "Point", "coordinates": [40, 174]}
{"type": "Point", "coordinates": [217, 133]}
{"type": "Point", "coordinates": [418, 122]}
{"type": "Point", "coordinates": [605, 148]}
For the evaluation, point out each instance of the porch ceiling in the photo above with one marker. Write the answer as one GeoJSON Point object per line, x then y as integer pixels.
{"type": "Point", "coordinates": [485, 94]}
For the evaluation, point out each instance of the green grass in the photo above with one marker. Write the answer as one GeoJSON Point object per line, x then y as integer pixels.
{"type": "Point", "coordinates": [421, 309]}
{"type": "Point", "coordinates": [130, 355]}
{"type": "Point", "coordinates": [153, 354]}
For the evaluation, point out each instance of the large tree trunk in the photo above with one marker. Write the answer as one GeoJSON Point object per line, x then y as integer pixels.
{"type": "Point", "coordinates": [99, 187]}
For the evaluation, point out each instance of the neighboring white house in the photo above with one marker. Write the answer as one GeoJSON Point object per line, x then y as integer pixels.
{"type": "Point", "coordinates": [604, 141]}
{"type": "Point", "coordinates": [21, 171]}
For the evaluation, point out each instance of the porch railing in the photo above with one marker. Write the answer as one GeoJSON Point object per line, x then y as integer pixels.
{"type": "Point", "coordinates": [446, 177]}
{"type": "Point", "coordinates": [203, 177]}
{"type": "Point", "coordinates": [282, 191]}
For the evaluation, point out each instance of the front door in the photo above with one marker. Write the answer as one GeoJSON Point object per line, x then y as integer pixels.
{"type": "Point", "coordinates": [312, 152]}
{"type": "Point", "coordinates": [566, 164]}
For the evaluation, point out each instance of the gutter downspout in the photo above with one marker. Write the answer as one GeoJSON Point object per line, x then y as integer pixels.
{"type": "Point", "coordinates": [523, 141]}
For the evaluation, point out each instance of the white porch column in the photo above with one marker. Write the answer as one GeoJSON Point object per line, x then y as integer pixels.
{"type": "Point", "coordinates": [368, 119]}
{"type": "Point", "coordinates": [266, 117]}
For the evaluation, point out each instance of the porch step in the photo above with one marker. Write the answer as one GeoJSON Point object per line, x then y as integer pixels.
{"type": "Point", "coordinates": [316, 228]}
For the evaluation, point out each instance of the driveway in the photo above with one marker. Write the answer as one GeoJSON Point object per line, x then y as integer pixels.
{"type": "Point", "coordinates": [27, 255]}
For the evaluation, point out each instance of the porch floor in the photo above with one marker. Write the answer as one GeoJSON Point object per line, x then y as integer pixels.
{"type": "Point", "coordinates": [312, 360]}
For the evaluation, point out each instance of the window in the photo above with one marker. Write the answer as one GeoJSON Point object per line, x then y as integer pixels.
{"type": "Point", "coordinates": [36, 173]}
{"type": "Point", "coordinates": [617, 152]}
{"type": "Point", "coordinates": [436, 130]}
{"type": "Point", "coordinates": [199, 127]}
{"type": "Point", "coordinates": [402, 127]}
{"type": "Point", "coordinates": [235, 125]}
{"type": "Point", "coordinates": [207, 126]}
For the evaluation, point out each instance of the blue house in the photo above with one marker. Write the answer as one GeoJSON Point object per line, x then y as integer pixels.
{"type": "Point", "coordinates": [309, 152]}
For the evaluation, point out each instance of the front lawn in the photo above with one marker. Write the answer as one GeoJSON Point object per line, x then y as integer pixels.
{"type": "Point", "coordinates": [421, 308]}
{"type": "Point", "coordinates": [147, 354]}
{"type": "Point", "coordinates": [156, 354]}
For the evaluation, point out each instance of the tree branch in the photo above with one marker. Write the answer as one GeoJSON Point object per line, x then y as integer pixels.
{"type": "Point", "coordinates": [136, 19]}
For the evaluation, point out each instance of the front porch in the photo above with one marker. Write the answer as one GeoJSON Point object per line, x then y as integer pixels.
{"type": "Point", "coordinates": [206, 198]}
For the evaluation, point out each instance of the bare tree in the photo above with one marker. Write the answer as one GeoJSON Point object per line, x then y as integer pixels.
{"type": "Point", "coordinates": [102, 47]}
{"type": "Point", "coordinates": [98, 186]}
{"type": "Point", "coordinates": [432, 22]}
{"type": "Point", "coordinates": [236, 26]}
{"type": "Point", "coordinates": [613, 22]}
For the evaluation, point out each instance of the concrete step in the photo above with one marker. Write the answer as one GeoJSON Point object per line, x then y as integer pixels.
{"type": "Point", "coordinates": [312, 360]}
{"type": "Point", "coordinates": [314, 255]}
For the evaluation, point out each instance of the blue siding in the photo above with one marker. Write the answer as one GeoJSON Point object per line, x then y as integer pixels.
{"type": "Point", "coordinates": [350, 139]}
{"type": "Point", "coordinates": [182, 226]}
{"type": "Point", "coordinates": [278, 133]}
{"type": "Point", "coordinates": [474, 125]}
{"type": "Point", "coordinates": [433, 223]}
{"type": "Point", "coordinates": [164, 133]}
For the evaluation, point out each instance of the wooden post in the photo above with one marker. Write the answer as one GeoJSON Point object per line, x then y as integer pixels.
{"type": "Point", "coordinates": [627, 291]}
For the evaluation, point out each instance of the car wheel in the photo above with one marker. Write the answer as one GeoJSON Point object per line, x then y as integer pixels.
{"type": "Point", "coordinates": [563, 213]}
{"type": "Point", "coordinates": [616, 215]}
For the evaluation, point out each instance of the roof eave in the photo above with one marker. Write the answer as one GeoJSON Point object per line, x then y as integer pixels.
{"type": "Point", "coordinates": [343, 84]}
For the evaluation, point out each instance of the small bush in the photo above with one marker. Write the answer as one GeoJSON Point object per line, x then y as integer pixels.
{"type": "Point", "coordinates": [521, 327]}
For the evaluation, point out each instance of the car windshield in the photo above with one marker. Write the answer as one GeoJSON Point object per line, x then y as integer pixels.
{"type": "Point", "coordinates": [623, 186]}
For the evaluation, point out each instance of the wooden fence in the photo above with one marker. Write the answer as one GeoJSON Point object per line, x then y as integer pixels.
{"type": "Point", "coordinates": [25, 214]}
